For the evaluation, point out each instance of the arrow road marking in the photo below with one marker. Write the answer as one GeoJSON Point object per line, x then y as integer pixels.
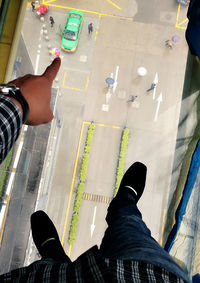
{"type": "Point", "coordinates": [159, 100]}
{"type": "Point", "coordinates": [92, 226]}
{"type": "Point", "coordinates": [108, 96]}
{"type": "Point", "coordinates": [155, 81]}
{"type": "Point", "coordinates": [116, 77]}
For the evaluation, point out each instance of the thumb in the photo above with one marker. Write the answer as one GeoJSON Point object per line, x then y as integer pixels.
{"type": "Point", "coordinates": [52, 70]}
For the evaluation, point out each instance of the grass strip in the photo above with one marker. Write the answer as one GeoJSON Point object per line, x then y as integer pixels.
{"type": "Point", "coordinates": [81, 185]}
{"type": "Point", "coordinates": [4, 173]}
{"type": "Point", "coordinates": [121, 160]}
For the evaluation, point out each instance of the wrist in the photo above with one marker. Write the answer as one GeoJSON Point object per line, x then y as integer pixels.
{"type": "Point", "coordinates": [14, 93]}
{"type": "Point", "coordinates": [18, 105]}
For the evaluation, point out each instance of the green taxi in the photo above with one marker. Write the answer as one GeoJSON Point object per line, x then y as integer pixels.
{"type": "Point", "coordinates": [70, 35]}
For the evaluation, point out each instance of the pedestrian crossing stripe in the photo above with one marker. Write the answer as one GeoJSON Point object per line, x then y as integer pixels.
{"type": "Point", "coordinates": [96, 198]}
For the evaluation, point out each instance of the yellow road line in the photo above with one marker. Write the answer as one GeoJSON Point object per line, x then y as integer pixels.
{"type": "Point", "coordinates": [112, 3]}
{"type": "Point", "coordinates": [100, 125]}
{"type": "Point", "coordinates": [106, 125]}
{"type": "Point", "coordinates": [72, 184]}
{"type": "Point", "coordinates": [95, 37]}
{"type": "Point", "coordinates": [47, 2]}
{"type": "Point", "coordinates": [74, 88]}
{"type": "Point", "coordinates": [91, 12]}
{"type": "Point", "coordinates": [181, 27]}
{"type": "Point", "coordinates": [162, 228]}
{"type": "Point", "coordinates": [184, 21]}
{"type": "Point", "coordinates": [177, 15]}
{"type": "Point", "coordinates": [69, 251]}
{"type": "Point", "coordinates": [4, 219]}
{"type": "Point", "coordinates": [87, 82]}
{"type": "Point", "coordinates": [63, 82]}
{"type": "Point", "coordinates": [178, 25]}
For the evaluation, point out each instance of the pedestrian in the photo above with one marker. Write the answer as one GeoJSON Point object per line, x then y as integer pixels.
{"type": "Point", "coordinates": [33, 6]}
{"type": "Point", "coordinates": [132, 99]}
{"type": "Point", "coordinates": [169, 43]}
{"type": "Point", "coordinates": [153, 85]}
{"type": "Point", "coordinates": [51, 21]}
{"type": "Point", "coordinates": [90, 28]}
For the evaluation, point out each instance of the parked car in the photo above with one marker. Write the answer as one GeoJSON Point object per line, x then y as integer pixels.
{"type": "Point", "coordinates": [184, 2]}
{"type": "Point", "coordinates": [41, 10]}
{"type": "Point", "coordinates": [71, 33]}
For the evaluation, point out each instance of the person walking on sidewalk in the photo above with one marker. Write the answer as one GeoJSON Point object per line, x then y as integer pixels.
{"type": "Point", "coordinates": [132, 99]}
{"type": "Point", "coordinates": [153, 85]}
{"type": "Point", "coordinates": [51, 21]}
{"type": "Point", "coordinates": [169, 43]}
{"type": "Point", "coordinates": [90, 28]}
{"type": "Point", "coordinates": [33, 6]}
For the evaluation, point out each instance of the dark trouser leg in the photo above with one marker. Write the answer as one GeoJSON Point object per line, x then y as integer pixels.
{"type": "Point", "coordinates": [127, 236]}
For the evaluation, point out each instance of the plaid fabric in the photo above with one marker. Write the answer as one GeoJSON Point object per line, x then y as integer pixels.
{"type": "Point", "coordinates": [10, 125]}
{"type": "Point", "coordinates": [91, 267]}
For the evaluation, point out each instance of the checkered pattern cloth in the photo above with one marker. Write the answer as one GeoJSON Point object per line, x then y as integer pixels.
{"type": "Point", "coordinates": [91, 267]}
{"type": "Point", "coordinates": [10, 125]}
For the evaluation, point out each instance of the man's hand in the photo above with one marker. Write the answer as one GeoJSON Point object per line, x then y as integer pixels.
{"type": "Point", "coordinates": [37, 92]}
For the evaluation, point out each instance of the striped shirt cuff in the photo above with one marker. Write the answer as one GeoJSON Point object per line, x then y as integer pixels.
{"type": "Point", "coordinates": [10, 125]}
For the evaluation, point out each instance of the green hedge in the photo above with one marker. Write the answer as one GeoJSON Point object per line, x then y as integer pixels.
{"type": "Point", "coordinates": [121, 161]}
{"type": "Point", "coordinates": [84, 165]}
{"type": "Point", "coordinates": [3, 173]}
{"type": "Point", "coordinates": [81, 186]}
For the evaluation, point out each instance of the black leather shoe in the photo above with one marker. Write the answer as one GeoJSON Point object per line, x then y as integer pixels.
{"type": "Point", "coordinates": [134, 180]}
{"type": "Point", "coordinates": [45, 236]}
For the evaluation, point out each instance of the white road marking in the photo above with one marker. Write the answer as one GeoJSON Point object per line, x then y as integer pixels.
{"type": "Point", "coordinates": [159, 100]}
{"type": "Point", "coordinates": [92, 227]}
{"type": "Point", "coordinates": [116, 77]}
{"type": "Point", "coordinates": [18, 154]}
{"type": "Point", "coordinates": [8, 190]}
{"type": "Point", "coordinates": [3, 210]}
{"type": "Point", "coordinates": [108, 95]}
